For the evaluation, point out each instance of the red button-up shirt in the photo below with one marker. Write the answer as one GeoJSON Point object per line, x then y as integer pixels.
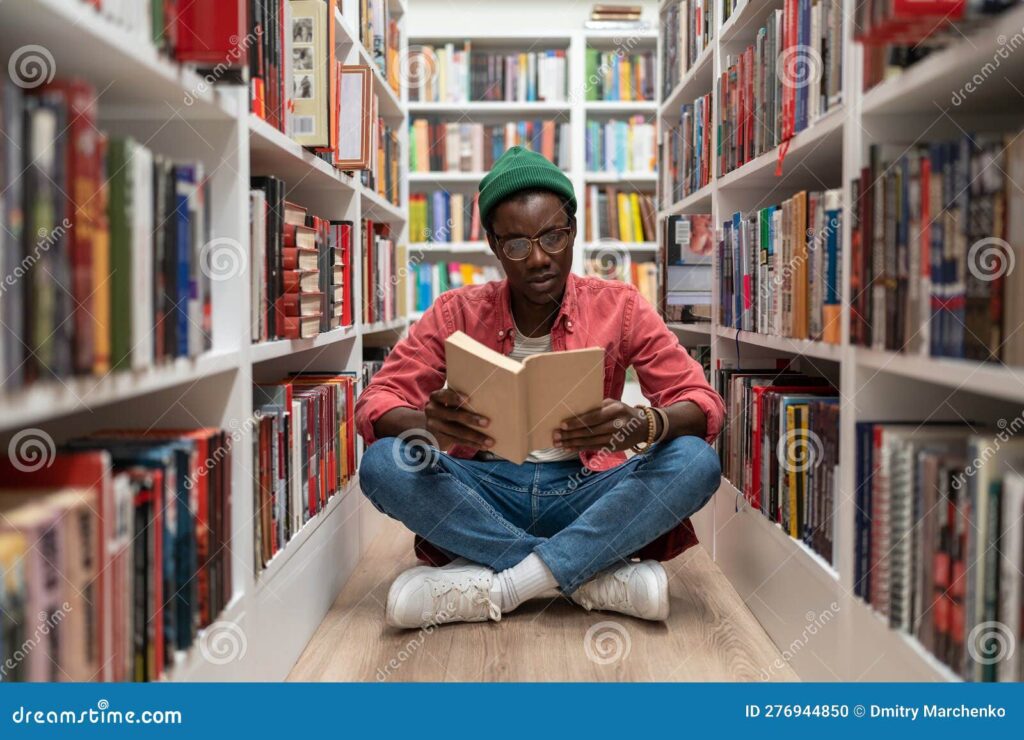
{"type": "Point", "coordinates": [593, 313]}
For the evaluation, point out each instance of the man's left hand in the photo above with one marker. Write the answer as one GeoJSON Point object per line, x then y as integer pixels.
{"type": "Point", "coordinates": [613, 426]}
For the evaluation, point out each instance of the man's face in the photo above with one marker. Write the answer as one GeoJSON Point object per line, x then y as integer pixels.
{"type": "Point", "coordinates": [540, 278]}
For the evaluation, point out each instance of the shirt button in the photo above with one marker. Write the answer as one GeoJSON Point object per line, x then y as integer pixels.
{"type": "Point", "coordinates": [568, 324]}
{"type": "Point", "coordinates": [501, 334]}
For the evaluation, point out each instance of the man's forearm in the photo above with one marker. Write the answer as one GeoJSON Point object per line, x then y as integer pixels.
{"type": "Point", "coordinates": [398, 420]}
{"type": "Point", "coordinates": [686, 419]}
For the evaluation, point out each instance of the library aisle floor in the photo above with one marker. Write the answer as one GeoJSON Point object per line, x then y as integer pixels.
{"type": "Point", "coordinates": [711, 635]}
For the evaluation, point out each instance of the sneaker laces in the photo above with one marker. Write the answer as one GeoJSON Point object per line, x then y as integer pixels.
{"type": "Point", "coordinates": [462, 594]}
{"type": "Point", "coordinates": [611, 588]}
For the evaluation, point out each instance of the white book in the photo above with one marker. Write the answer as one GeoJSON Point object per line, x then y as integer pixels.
{"type": "Point", "coordinates": [1011, 565]}
{"type": "Point", "coordinates": [257, 246]}
{"type": "Point", "coordinates": [142, 257]}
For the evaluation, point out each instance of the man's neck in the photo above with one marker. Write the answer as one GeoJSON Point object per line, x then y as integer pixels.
{"type": "Point", "coordinates": [534, 320]}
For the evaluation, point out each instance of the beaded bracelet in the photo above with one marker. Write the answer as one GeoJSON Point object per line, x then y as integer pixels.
{"type": "Point", "coordinates": [652, 427]}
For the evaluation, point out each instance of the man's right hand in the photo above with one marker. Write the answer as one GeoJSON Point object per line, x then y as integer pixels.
{"type": "Point", "coordinates": [452, 421]}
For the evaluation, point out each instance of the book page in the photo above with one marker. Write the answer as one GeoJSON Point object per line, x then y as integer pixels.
{"type": "Point", "coordinates": [560, 385]}
{"type": "Point", "coordinates": [494, 385]}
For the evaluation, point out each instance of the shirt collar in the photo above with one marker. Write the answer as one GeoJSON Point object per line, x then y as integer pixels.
{"type": "Point", "coordinates": [567, 312]}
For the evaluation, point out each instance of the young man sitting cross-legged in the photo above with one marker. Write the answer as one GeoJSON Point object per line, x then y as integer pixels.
{"type": "Point", "coordinates": [570, 518]}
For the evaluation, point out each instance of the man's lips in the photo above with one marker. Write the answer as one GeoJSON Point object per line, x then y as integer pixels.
{"type": "Point", "coordinates": [542, 279]}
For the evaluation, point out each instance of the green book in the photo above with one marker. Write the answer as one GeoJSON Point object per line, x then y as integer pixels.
{"type": "Point", "coordinates": [119, 156]}
{"type": "Point", "coordinates": [593, 62]}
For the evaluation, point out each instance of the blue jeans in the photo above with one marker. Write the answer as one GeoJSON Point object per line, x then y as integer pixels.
{"type": "Point", "coordinates": [578, 522]}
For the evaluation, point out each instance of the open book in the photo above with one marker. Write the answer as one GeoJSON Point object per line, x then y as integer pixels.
{"type": "Point", "coordinates": [526, 401]}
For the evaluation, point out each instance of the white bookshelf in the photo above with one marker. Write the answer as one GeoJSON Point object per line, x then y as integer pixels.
{"type": "Point", "coordinates": [174, 112]}
{"type": "Point", "coordinates": [781, 580]}
{"type": "Point", "coordinates": [522, 32]}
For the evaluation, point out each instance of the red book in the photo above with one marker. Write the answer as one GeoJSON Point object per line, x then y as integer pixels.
{"type": "Point", "coordinates": [209, 32]}
{"type": "Point", "coordinates": [301, 327]}
{"type": "Point", "coordinates": [301, 281]}
{"type": "Point", "coordinates": [302, 304]}
{"type": "Point", "coordinates": [299, 258]}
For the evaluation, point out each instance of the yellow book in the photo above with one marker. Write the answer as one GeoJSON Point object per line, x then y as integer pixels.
{"type": "Point", "coordinates": [468, 273]}
{"type": "Point", "coordinates": [625, 222]}
{"type": "Point", "coordinates": [625, 78]}
{"type": "Point", "coordinates": [402, 273]}
{"type": "Point", "coordinates": [637, 223]}
{"type": "Point", "coordinates": [458, 230]}
{"type": "Point", "coordinates": [101, 302]}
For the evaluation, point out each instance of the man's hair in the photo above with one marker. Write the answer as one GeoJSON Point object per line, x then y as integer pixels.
{"type": "Point", "coordinates": [521, 195]}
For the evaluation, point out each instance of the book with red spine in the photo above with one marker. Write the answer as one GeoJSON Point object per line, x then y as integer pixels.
{"type": "Point", "coordinates": [209, 32]}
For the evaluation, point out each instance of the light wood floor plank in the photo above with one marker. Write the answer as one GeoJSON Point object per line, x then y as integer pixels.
{"type": "Point", "coordinates": [710, 636]}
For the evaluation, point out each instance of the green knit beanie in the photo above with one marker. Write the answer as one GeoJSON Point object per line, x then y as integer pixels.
{"type": "Point", "coordinates": [520, 169]}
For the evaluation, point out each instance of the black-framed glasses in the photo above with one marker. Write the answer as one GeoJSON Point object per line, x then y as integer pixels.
{"type": "Point", "coordinates": [519, 247]}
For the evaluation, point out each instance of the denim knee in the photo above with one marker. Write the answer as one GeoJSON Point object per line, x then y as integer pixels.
{"type": "Point", "coordinates": [377, 465]}
{"type": "Point", "coordinates": [696, 463]}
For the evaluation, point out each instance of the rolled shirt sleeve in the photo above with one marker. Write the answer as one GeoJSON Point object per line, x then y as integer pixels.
{"type": "Point", "coordinates": [666, 372]}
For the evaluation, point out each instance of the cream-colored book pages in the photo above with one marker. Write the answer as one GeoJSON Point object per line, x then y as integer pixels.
{"type": "Point", "coordinates": [559, 386]}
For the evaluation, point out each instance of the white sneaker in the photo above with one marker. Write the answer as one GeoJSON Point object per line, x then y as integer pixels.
{"type": "Point", "coordinates": [425, 596]}
{"type": "Point", "coordinates": [637, 589]}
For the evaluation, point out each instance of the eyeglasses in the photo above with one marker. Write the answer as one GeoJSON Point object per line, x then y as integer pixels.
{"type": "Point", "coordinates": [518, 248]}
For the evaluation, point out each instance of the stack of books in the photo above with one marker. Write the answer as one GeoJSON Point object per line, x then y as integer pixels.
{"type": "Point", "coordinates": [685, 151]}
{"type": "Point", "coordinates": [465, 75]}
{"type": "Point", "coordinates": [616, 76]}
{"type": "Point", "coordinates": [689, 28]}
{"type": "Point", "coordinates": [439, 146]}
{"type": "Point", "coordinates": [615, 17]}
{"type": "Point", "coordinates": [621, 146]}
{"type": "Point", "coordinates": [780, 269]}
{"type": "Point", "coordinates": [939, 539]}
{"type": "Point", "coordinates": [105, 247]}
{"type": "Point", "coordinates": [434, 279]}
{"type": "Point", "coordinates": [442, 217]}
{"type": "Point", "coordinates": [938, 230]}
{"type": "Point", "coordinates": [384, 268]}
{"type": "Point", "coordinates": [300, 267]}
{"type": "Point", "coordinates": [304, 453]}
{"type": "Point", "coordinates": [382, 176]}
{"type": "Point", "coordinates": [777, 87]}
{"type": "Point", "coordinates": [688, 245]}
{"type": "Point", "coordinates": [115, 554]}
{"type": "Point", "coordinates": [781, 449]}
{"type": "Point", "coordinates": [620, 216]}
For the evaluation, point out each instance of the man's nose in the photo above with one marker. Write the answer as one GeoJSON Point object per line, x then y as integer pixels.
{"type": "Point", "coordinates": [538, 259]}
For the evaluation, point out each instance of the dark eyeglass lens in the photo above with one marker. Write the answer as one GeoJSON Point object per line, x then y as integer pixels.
{"type": "Point", "coordinates": [517, 248]}
{"type": "Point", "coordinates": [553, 241]}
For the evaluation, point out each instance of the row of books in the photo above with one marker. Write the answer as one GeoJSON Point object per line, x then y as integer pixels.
{"type": "Point", "coordinates": [450, 75]}
{"type": "Point", "coordinates": [689, 28]}
{"type": "Point", "coordinates": [781, 449]}
{"type": "Point", "coordinates": [622, 267]}
{"type": "Point", "coordinates": [620, 216]}
{"type": "Point", "coordinates": [781, 268]}
{"type": "Point", "coordinates": [938, 230]}
{"type": "Point", "coordinates": [114, 554]}
{"type": "Point", "coordinates": [434, 279]}
{"type": "Point", "coordinates": [687, 247]}
{"type": "Point", "coordinates": [780, 85]}
{"type": "Point", "coordinates": [300, 267]}
{"type": "Point", "coordinates": [615, 75]}
{"type": "Point", "coordinates": [621, 146]}
{"type": "Point", "coordinates": [939, 539]}
{"type": "Point", "coordinates": [304, 453]}
{"type": "Point", "coordinates": [373, 361]}
{"type": "Point", "coordinates": [300, 87]}
{"type": "Point", "coordinates": [440, 216]}
{"type": "Point", "coordinates": [685, 151]}
{"type": "Point", "coordinates": [103, 243]}
{"type": "Point", "coordinates": [438, 146]}
{"type": "Point", "coordinates": [384, 267]}
{"type": "Point", "coordinates": [378, 33]}
{"type": "Point", "coordinates": [895, 36]}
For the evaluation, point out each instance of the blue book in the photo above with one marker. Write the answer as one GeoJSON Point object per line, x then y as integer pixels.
{"type": "Point", "coordinates": [184, 179]}
{"type": "Point", "coordinates": [437, 216]}
{"type": "Point", "coordinates": [737, 271]}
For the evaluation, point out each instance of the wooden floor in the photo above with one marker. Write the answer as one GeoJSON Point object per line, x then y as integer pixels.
{"type": "Point", "coordinates": [710, 636]}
